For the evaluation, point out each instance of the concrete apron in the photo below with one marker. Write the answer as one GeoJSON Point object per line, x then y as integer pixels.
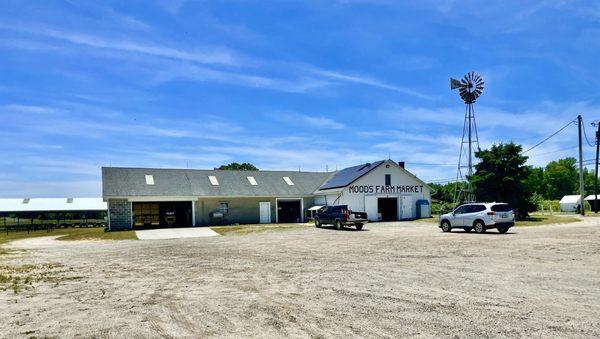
{"type": "Point", "coordinates": [175, 233]}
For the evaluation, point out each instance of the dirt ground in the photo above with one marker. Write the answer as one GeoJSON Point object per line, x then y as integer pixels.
{"type": "Point", "coordinates": [389, 280]}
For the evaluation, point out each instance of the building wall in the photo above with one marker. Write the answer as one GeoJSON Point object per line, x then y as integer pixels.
{"type": "Point", "coordinates": [362, 195]}
{"type": "Point", "coordinates": [241, 210]}
{"type": "Point", "coordinates": [119, 211]}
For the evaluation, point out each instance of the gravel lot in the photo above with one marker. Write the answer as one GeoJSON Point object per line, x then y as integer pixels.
{"type": "Point", "coordinates": [389, 280]}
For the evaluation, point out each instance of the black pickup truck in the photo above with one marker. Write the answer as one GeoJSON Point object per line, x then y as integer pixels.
{"type": "Point", "coordinates": [340, 216]}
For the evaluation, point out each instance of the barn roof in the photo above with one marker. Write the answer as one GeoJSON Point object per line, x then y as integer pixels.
{"type": "Point", "coordinates": [126, 182]}
{"type": "Point", "coordinates": [349, 175]}
{"type": "Point", "coordinates": [52, 204]}
{"type": "Point", "coordinates": [570, 199]}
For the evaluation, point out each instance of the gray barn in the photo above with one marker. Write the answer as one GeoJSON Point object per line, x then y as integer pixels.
{"type": "Point", "coordinates": [148, 197]}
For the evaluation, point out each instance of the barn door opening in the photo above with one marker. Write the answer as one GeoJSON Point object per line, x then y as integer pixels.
{"type": "Point", "coordinates": [388, 207]}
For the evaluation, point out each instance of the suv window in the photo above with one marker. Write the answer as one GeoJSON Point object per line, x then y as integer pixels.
{"type": "Point", "coordinates": [461, 209]}
{"type": "Point", "coordinates": [501, 208]}
{"type": "Point", "coordinates": [477, 208]}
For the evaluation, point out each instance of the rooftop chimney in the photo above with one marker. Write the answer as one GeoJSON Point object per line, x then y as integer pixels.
{"type": "Point", "coordinates": [401, 164]}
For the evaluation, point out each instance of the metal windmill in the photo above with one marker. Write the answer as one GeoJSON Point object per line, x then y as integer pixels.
{"type": "Point", "coordinates": [470, 88]}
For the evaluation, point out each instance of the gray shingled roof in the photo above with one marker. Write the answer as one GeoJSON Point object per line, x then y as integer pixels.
{"type": "Point", "coordinates": [349, 175]}
{"type": "Point", "coordinates": [126, 182]}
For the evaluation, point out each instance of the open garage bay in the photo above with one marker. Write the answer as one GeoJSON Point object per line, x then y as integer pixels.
{"type": "Point", "coordinates": [392, 279]}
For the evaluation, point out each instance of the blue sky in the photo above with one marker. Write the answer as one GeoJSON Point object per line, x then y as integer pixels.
{"type": "Point", "coordinates": [282, 84]}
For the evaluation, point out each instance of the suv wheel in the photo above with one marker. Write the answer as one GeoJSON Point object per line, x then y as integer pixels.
{"type": "Point", "coordinates": [338, 225]}
{"type": "Point", "coordinates": [318, 223]}
{"type": "Point", "coordinates": [359, 227]}
{"type": "Point", "coordinates": [446, 226]}
{"type": "Point", "coordinates": [502, 229]}
{"type": "Point", "coordinates": [468, 229]}
{"type": "Point", "coordinates": [479, 226]}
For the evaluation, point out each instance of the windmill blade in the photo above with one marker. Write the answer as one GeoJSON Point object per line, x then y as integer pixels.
{"type": "Point", "coordinates": [454, 84]}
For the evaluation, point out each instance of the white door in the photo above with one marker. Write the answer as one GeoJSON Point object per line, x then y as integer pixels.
{"type": "Point", "coordinates": [371, 207]}
{"type": "Point", "coordinates": [407, 211]}
{"type": "Point", "coordinates": [265, 212]}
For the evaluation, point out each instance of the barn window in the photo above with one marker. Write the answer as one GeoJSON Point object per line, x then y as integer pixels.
{"type": "Point", "coordinates": [252, 181]}
{"type": "Point", "coordinates": [288, 181]}
{"type": "Point", "coordinates": [149, 179]}
{"type": "Point", "coordinates": [213, 180]}
{"type": "Point", "coordinates": [69, 200]}
{"type": "Point", "coordinates": [388, 179]}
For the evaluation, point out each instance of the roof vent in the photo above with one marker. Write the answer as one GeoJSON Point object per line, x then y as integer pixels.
{"type": "Point", "coordinates": [69, 200]}
{"type": "Point", "coordinates": [213, 180]}
{"type": "Point", "coordinates": [288, 181]}
{"type": "Point", "coordinates": [252, 181]}
{"type": "Point", "coordinates": [149, 179]}
{"type": "Point", "coordinates": [26, 200]}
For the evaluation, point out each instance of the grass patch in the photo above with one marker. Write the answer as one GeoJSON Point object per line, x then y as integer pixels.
{"type": "Point", "coordinates": [258, 228]}
{"type": "Point", "coordinates": [431, 220]}
{"type": "Point", "coordinates": [66, 234]}
{"type": "Point", "coordinates": [539, 220]}
{"type": "Point", "coordinates": [98, 234]}
{"type": "Point", "coordinates": [20, 277]}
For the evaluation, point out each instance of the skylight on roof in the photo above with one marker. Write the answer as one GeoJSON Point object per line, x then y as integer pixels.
{"type": "Point", "coordinates": [213, 180]}
{"type": "Point", "coordinates": [288, 181]}
{"type": "Point", "coordinates": [149, 179]}
{"type": "Point", "coordinates": [252, 181]}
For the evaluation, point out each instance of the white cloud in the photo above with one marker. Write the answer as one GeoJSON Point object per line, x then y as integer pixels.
{"type": "Point", "coordinates": [365, 80]}
{"type": "Point", "coordinates": [197, 73]}
{"type": "Point", "coordinates": [206, 56]}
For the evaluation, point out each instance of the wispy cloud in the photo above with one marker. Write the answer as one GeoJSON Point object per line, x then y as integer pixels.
{"type": "Point", "coordinates": [312, 121]}
{"type": "Point", "coordinates": [206, 56]}
{"type": "Point", "coordinates": [365, 80]}
{"type": "Point", "coordinates": [204, 74]}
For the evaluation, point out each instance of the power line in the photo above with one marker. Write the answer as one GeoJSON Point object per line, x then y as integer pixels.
{"type": "Point", "coordinates": [428, 164]}
{"type": "Point", "coordinates": [550, 152]}
{"type": "Point", "coordinates": [552, 135]}
{"type": "Point", "coordinates": [585, 134]}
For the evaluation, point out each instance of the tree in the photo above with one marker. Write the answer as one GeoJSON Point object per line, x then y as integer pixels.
{"type": "Point", "coordinates": [561, 178]}
{"type": "Point", "coordinates": [234, 166]}
{"type": "Point", "coordinates": [502, 176]}
{"type": "Point", "coordinates": [535, 181]}
{"type": "Point", "coordinates": [443, 193]}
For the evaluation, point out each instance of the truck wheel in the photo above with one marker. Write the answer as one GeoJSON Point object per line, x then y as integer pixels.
{"type": "Point", "coordinates": [359, 227]}
{"type": "Point", "coordinates": [479, 226]}
{"type": "Point", "coordinates": [446, 226]}
{"type": "Point", "coordinates": [318, 223]}
{"type": "Point", "coordinates": [468, 229]}
{"type": "Point", "coordinates": [502, 229]}
{"type": "Point", "coordinates": [338, 225]}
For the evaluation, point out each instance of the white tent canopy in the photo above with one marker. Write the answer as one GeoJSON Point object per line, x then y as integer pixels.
{"type": "Point", "coordinates": [52, 205]}
{"type": "Point", "coordinates": [591, 197]}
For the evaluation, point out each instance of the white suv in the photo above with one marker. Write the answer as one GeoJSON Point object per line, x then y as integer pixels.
{"type": "Point", "coordinates": [479, 216]}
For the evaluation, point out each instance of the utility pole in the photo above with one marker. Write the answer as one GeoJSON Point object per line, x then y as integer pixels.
{"type": "Point", "coordinates": [581, 192]}
{"type": "Point", "coordinates": [596, 171]}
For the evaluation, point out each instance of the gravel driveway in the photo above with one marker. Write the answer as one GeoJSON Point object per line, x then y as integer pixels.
{"type": "Point", "coordinates": [389, 280]}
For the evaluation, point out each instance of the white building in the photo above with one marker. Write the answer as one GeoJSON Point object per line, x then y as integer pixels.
{"type": "Point", "coordinates": [569, 203]}
{"type": "Point", "coordinates": [383, 189]}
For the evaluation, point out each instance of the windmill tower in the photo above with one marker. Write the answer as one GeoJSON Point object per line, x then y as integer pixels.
{"type": "Point", "coordinates": [470, 88]}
